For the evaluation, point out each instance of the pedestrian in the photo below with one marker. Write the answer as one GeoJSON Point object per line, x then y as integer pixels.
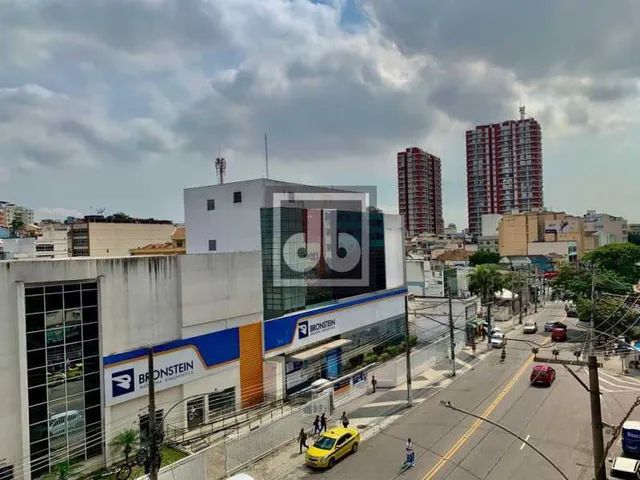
{"type": "Point", "coordinates": [344, 420]}
{"type": "Point", "coordinates": [411, 455]}
{"type": "Point", "coordinates": [374, 382]}
{"type": "Point", "coordinates": [302, 438]}
{"type": "Point", "coordinates": [316, 425]}
{"type": "Point", "coordinates": [323, 423]}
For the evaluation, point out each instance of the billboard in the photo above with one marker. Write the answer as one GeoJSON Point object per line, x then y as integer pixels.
{"type": "Point", "coordinates": [559, 227]}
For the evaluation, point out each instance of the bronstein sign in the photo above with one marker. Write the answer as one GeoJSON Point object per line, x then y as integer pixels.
{"type": "Point", "coordinates": [127, 375]}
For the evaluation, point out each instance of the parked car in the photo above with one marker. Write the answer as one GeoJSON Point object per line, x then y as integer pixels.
{"type": "Point", "coordinates": [542, 374]}
{"type": "Point", "coordinates": [572, 311]}
{"type": "Point", "coordinates": [331, 446]}
{"type": "Point", "coordinates": [495, 330]}
{"type": "Point", "coordinates": [550, 325]}
{"type": "Point", "coordinates": [559, 335]}
{"type": "Point", "coordinates": [64, 422]}
{"type": "Point", "coordinates": [498, 340]}
{"type": "Point", "coordinates": [625, 468]}
{"type": "Point", "coordinates": [530, 327]}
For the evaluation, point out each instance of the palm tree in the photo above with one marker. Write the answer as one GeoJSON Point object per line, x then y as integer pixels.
{"type": "Point", "coordinates": [61, 471]}
{"type": "Point", "coordinates": [125, 442]}
{"type": "Point", "coordinates": [485, 282]}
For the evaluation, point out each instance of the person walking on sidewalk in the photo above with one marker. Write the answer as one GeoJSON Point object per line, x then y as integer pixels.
{"type": "Point", "coordinates": [411, 455]}
{"type": "Point", "coordinates": [323, 423]}
{"type": "Point", "coordinates": [374, 382]}
{"type": "Point", "coordinates": [316, 425]}
{"type": "Point", "coordinates": [344, 420]}
{"type": "Point", "coordinates": [302, 438]}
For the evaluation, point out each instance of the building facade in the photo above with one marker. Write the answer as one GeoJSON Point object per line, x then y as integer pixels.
{"type": "Point", "coordinates": [99, 236]}
{"type": "Point", "coordinates": [608, 228]}
{"type": "Point", "coordinates": [226, 217]}
{"type": "Point", "coordinates": [52, 240]}
{"type": "Point", "coordinates": [543, 233]}
{"type": "Point", "coordinates": [227, 331]}
{"type": "Point", "coordinates": [504, 169]}
{"type": "Point", "coordinates": [420, 192]}
{"type": "Point", "coordinates": [10, 212]}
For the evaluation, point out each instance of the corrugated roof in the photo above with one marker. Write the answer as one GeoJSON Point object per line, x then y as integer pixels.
{"type": "Point", "coordinates": [454, 255]}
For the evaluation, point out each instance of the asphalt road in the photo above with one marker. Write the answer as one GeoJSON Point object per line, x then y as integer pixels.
{"type": "Point", "coordinates": [452, 445]}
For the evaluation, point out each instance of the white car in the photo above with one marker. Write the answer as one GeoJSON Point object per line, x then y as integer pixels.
{"type": "Point", "coordinates": [530, 327]}
{"type": "Point", "coordinates": [496, 330]}
{"type": "Point", "coordinates": [498, 340]}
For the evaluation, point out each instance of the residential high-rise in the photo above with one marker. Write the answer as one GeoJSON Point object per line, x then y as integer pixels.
{"type": "Point", "coordinates": [420, 192]}
{"type": "Point", "coordinates": [504, 169]}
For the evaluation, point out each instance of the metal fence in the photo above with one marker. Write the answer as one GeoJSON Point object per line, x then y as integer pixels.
{"type": "Point", "coordinates": [393, 373]}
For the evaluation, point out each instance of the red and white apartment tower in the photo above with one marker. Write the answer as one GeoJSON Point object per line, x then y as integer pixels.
{"type": "Point", "coordinates": [420, 192]}
{"type": "Point", "coordinates": [504, 169]}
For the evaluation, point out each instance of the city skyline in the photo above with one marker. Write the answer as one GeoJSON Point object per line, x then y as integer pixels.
{"type": "Point", "coordinates": [125, 118]}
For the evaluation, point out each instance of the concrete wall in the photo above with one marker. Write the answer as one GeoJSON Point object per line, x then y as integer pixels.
{"type": "Point", "coordinates": [116, 239]}
{"type": "Point", "coordinates": [17, 248]}
{"type": "Point", "coordinates": [234, 226]}
{"type": "Point", "coordinates": [490, 223]}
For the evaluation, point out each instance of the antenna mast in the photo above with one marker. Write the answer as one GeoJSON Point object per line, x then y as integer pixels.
{"type": "Point", "coordinates": [266, 154]}
{"type": "Point", "coordinates": [221, 168]}
{"type": "Point", "coordinates": [522, 114]}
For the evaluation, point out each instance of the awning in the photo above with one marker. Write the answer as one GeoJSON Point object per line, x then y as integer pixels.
{"type": "Point", "coordinates": [317, 351]}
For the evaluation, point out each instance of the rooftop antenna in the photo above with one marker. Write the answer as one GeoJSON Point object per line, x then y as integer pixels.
{"type": "Point", "coordinates": [221, 167]}
{"type": "Point", "coordinates": [522, 114]}
{"type": "Point", "coordinates": [266, 155]}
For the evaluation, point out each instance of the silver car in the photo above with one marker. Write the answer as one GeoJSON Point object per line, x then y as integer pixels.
{"type": "Point", "coordinates": [498, 340]}
{"type": "Point", "coordinates": [530, 327]}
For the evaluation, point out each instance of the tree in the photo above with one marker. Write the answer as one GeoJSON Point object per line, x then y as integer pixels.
{"type": "Point", "coordinates": [61, 471]}
{"type": "Point", "coordinates": [16, 225]}
{"type": "Point", "coordinates": [125, 441]}
{"type": "Point", "coordinates": [482, 257]}
{"type": "Point", "coordinates": [611, 315]}
{"type": "Point", "coordinates": [575, 282]}
{"type": "Point", "coordinates": [634, 237]}
{"type": "Point", "coordinates": [485, 282]}
{"type": "Point", "coordinates": [619, 258]}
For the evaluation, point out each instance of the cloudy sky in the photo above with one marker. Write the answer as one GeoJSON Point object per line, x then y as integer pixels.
{"type": "Point", "coordinates": [121, 104]}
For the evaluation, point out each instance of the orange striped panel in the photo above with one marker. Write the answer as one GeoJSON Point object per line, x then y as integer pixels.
{"type": "Point", "coordinates": [251, 383]}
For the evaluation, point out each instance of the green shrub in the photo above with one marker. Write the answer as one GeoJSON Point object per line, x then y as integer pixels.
{"type": "Point", "coordinates": [384, 357]}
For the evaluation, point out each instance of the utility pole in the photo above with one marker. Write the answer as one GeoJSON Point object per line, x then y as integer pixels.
{"type": "Point", "coordinates": [451, 335]}
{"type": "Point", "coordinates": [596, 419]}
{"type": "Point", "coordinates": [520, 284]}
{"type": "Point", "coordinates": [592, 325]}
{"type": "Point", "coordinates": [489, 324]}
{"type": "Point", "coordinates": [153, 435]}
{"type": "Point", "coordinates": [407, 350]}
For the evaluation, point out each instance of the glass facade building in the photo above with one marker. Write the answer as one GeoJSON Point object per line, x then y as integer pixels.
{"type": "Point", "coordinates": [63, 361]}
{"type": "Point", "coordinates": [285, 232]}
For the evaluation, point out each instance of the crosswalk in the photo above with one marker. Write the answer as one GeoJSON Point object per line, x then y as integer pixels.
{"type": "Point", "coordinates": [611, 383]}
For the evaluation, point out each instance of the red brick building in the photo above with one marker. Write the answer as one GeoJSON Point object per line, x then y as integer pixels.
{"type": "Point", "coordinates": [420, 192]}
{"type": "Point", "coordinates": [504, 169]}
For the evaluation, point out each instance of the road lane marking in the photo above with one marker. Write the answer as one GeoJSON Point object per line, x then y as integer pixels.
{"type": "Point", "coordinates": [616, 378]}
{"type": "Point", "coordinates": [475, 425]}
{"type": "Point", "coordinates": [524, 443]}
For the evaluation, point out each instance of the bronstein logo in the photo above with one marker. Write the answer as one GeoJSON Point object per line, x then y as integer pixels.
{"type": "Point", "coordinates": [303, 330]}
{"type": "Point", "coordinates": [122, 382]}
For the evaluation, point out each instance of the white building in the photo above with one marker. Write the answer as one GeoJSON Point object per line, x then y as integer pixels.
{"type": "Point", "coordinates": [10, 212]}
{"type": "Point", "coordinates": [227, 332]}
{"type": "Point", "coordinates": [608, 228]}
{"type": "Point", "coordinates": [489, 240]}
{"type": "Point", "coordinates": [226, 217]}
{"type": "Point", "coordinates": [52, 241]}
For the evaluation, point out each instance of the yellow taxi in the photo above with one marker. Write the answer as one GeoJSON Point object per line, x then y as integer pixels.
{"type": "Point", "coordinates": [331, 446]}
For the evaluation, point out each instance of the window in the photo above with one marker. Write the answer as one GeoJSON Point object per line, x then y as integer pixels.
{"type": "Point", "coordinates": [237, 197]}
{"type": "Point", "coordinates": [63, 374]}
{"type": "Point", "coordinates": [212, 245]}
{"type": "Point", "coordinates": [222, 402]}
{"type": "Point", "coordinates": [211, 204]}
